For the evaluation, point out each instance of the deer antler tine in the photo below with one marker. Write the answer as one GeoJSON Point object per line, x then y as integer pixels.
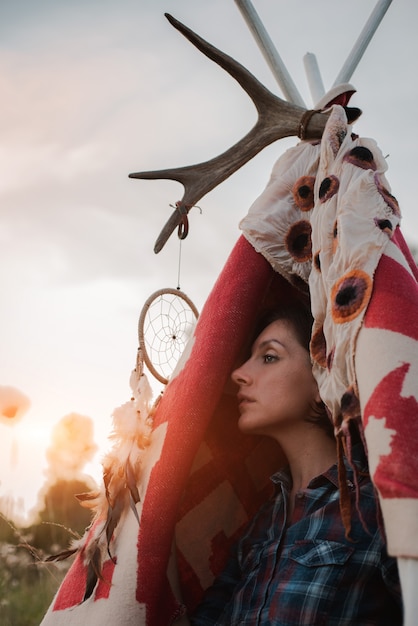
{"type": "Point", "coordinates": [248, 81]}
{"type": "Point", "coordinates": [276, 119]}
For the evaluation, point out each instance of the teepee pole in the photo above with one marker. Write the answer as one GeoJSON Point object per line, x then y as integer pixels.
{"type": "Point", "coordinates": [313, 74]}
{"type": "Point", "coordinates": [362, 42]}
{"type": "Point", "coordinates": [270, 53]}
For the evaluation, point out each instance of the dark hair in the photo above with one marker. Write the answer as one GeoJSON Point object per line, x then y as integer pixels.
{"type": "Point", "coordinates": [300, 317]}
{"type": "Point", "coordinates": [297, 314]}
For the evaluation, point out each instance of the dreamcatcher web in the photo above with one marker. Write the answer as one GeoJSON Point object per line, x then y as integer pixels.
{"type": "Point", "coordinates": [165, 325]}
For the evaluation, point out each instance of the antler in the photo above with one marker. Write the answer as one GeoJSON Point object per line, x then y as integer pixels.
{"type": "Point", "coordinates": [276, 119]}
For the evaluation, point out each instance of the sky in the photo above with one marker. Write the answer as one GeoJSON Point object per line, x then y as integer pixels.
{"type": "Point", "coordinates": [94, 90]}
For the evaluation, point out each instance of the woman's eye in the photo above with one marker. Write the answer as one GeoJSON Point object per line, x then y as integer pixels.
{"type": "Point", "coordinates": [269, 358]}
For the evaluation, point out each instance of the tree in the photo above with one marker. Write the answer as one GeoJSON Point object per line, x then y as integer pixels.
{"type": "Point", "coordinates": [62, 518]}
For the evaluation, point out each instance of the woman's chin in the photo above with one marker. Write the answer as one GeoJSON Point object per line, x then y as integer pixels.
{"type": "Point", "coordinates": [248, 427]}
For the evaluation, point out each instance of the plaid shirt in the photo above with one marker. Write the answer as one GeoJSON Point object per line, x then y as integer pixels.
{"type": "Point", "coordinates": [308, 572]}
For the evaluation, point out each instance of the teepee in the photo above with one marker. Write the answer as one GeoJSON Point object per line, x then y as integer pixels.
{"type": "Point", "coordinates": [325, 228]}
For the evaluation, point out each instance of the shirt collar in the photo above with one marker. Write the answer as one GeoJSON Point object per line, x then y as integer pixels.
{"type": "Point", "coordinates": [283, 477]}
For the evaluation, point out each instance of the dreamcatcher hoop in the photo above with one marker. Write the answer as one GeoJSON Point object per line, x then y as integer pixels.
{"type": "Point", "coordinates": [165, 324]}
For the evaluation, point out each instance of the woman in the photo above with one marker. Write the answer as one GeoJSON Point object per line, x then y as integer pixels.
{"type": "Point", "coordinates": [294, 564]}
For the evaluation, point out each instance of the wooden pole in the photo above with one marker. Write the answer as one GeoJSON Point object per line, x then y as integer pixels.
{"type": "Point", "coordinates": [313, 74]}
{"type": "Point", "coordinates": [270, 53]}
{"type": "Point", "coordinates": [362, 42]}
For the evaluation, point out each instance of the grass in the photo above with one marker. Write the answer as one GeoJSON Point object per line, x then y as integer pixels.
{"type": "Point", "coordinates": [27, 585]}
{"type": "Point", "coordinates": [27, 597]}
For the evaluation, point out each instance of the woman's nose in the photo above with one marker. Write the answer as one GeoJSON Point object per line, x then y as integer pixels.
{"type": "Point", "coordinates": [240, 375]}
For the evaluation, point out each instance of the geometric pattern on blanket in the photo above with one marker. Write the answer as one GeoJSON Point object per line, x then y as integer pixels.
{"type": "Point", "coordinates": [387, 371]}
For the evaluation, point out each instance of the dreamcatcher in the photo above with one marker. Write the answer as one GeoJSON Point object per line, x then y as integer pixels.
{"type": "Point", "coordinates": [165, 325]}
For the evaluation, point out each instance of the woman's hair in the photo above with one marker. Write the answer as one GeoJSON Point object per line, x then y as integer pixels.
{"type": "Point", "coordinates": [299, 316]}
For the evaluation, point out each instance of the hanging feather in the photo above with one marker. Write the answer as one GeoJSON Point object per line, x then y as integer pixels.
{"type": "Point", "coordinates": [65, 554]}
{"type": "Point", "coordinates": [131, 435]}
{"type": "Point", "coordinates": [93, 573]}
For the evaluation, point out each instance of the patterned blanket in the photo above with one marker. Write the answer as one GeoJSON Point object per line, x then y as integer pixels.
{"type": "Point", "coordinates": [181, 481]}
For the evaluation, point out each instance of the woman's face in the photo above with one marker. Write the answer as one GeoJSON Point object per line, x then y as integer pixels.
{"type": "Point", "coordinates": [276, 386]}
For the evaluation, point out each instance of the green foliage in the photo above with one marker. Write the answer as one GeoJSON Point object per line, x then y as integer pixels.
{"type": "Point", "coordinates": [26, 587]}
{"type": "Point", "coordinates": [62, 512]}
{"type": "Point", "coordinates": [27, 584]}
